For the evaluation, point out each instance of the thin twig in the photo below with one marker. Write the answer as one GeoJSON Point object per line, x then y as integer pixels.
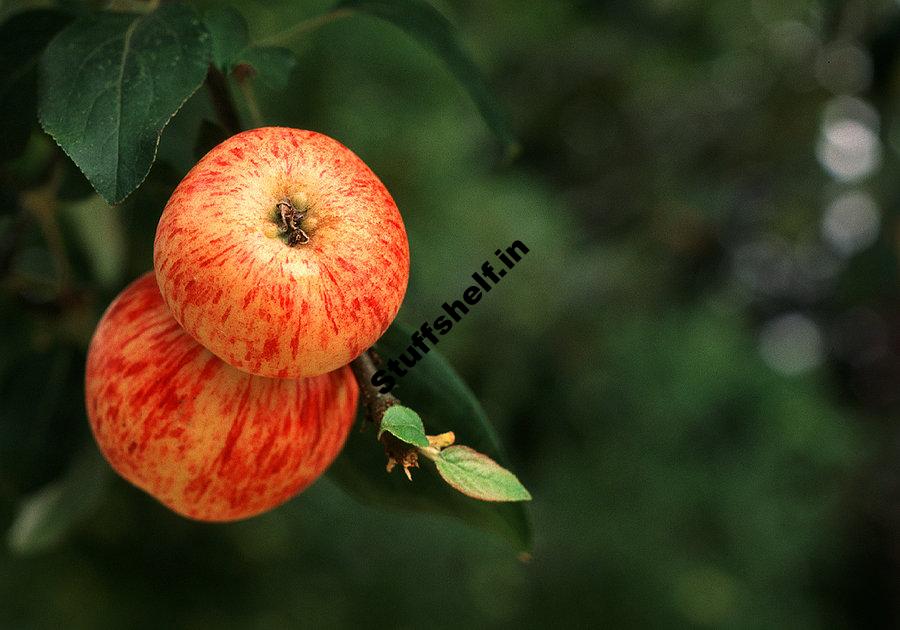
{"type": "Point", "coordinates": [246, 87]}
{"type": "Point", "coordinates": [376, 403]}
{"type": "Point", "coordinates": [303, 26]}
{"type": "Point", "coordinates": [132, 6]}
{"type": "Point", "coordinates": [43, 204]}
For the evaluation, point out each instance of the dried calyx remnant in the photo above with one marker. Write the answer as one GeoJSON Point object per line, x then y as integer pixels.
{"type": "Point", "coordinates": [289, 218]}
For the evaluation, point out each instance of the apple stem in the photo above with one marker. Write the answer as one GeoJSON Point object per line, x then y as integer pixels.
{"type": "Point", "coordinates": [289, 219]}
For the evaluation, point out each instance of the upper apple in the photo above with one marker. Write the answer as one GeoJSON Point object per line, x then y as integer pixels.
{"type": "Point", "coordinates": [282, 253]}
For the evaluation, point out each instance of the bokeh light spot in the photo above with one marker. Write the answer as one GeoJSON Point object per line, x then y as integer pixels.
{"type": "Point", "coordinates": [848, 149]}
{"type": "Point", "coordinates": [791, 344]}
{"type": "Point", "coordinates": [851, 222]}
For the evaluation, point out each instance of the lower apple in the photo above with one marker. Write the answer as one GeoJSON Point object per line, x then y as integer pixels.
{"type": "Point", "coordinates": [205, 439]}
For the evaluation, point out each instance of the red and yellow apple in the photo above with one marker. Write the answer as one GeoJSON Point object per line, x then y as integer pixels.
{"type": "Point", "coordinates": [207, 440]}
{"type": "Point", "coordinates": [282, 253]}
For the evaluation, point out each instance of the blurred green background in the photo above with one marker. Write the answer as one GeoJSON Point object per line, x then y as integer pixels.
{"type": "Point", "coordinates": [696, 370]}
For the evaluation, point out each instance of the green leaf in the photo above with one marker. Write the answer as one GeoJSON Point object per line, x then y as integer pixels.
{"type": "Point", "coordinates": [444, 403]}
{"type": "Point", "coordinates": [48, 515]}
{"type": "Point", "coordinates": [405, 424]}
{"type": "Point", "coordinates": [478, 476]}
{"type": "Point", "coordinates": [23, 38]}
{"type": "Point", "coordinates": [423, 22]}
{"type": "Point", "coordinates": [231, 47]}
{"type": "Point", "coordinates": [111, 82]}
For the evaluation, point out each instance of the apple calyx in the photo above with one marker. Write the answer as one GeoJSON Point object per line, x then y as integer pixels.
{"type": "Point", "coordinates": [289, 219]}
{"type": "Point", "coordinates": [398, 452]}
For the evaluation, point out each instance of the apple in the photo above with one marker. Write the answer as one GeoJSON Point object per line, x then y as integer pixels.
{"type": "Point", "coordinates": [207, 440]}
{"type": "Point", "coordinates": [282, 253]}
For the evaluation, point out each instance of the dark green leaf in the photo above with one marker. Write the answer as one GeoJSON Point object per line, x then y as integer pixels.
{"type": "Point", "coordinates": [405, 424]}
{"type": "Point", "coordinates": [231, 47]}
{"type": "Point", "coordinates": [111, 82]}
{"type": "Point", "coordinates": [23, 38]}
{"type": "Point", "coordinates": [49, 514]}
{"type": "Point", "coordinates": [478, 476]}
{"type": "Point", "coordinates": [423, 22]}
{"type": "Point", "coordinates": [444, 403]}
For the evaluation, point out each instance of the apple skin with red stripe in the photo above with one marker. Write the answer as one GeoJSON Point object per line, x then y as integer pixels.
{"type": "Point", "coordinates": [207, 440]}
{"type": "Point", "coordinates": [236, 282]}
